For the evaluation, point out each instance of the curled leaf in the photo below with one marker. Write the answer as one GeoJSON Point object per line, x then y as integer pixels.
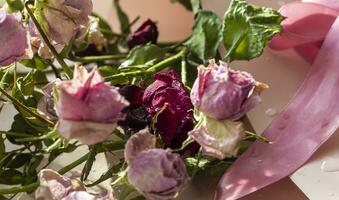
{"type": "Point", "coordinates": [247, 29]}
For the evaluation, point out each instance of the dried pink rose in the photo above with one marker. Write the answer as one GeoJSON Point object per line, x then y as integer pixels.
{"type": "Point", "coordinates": [139, 142]}
{"type": "Point", "coordinates": [53, 186]}
{"type": "Point", "coordinates": [14, 40]}
{"type": "Point", "coordinates": [88, 108]}
{"type": "Point", "coordinates": [63, 21]}
{"type": "Point", "coordinates": [218, 138]}
{"type": "Point", "coordinates": [223, 93]}
{"type": "Point", "coordinates": [158, 174]}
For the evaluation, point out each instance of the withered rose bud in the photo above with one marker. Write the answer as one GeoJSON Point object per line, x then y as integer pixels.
{"type": "Point", "coordinates": [88, 108]}
{"type": "Point", "coordinates": [223, 93]}
{"type": "Point", "coordinates": [158, 174]}
{"type": "Point", "coordinates": [147, 32]}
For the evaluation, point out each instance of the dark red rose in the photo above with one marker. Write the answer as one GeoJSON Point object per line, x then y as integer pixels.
{"type": "Point", "coordinates": [136, 115]}
{"type": "Point", "coordinates": [147, 32]}
{"type": "Point", "coordinates": [175, 120]}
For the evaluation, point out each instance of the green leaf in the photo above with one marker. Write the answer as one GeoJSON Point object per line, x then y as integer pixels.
{"type": "Point", "coordinates": [247, 29]}
{"type": "Point", "coordinates": [104, 26]}
{"type": "Point", "coordinates": [123, 18]}
{"type": "Point", "coordinates": [206, 36]}
{"type": "Point", "coordinates": [13, 177]}
{"type": "Point", "coordinates": [35, 63]}
{"type": "Point", "coordinates": [89, 163]}
{"type": "Point", "coordinates": [17, 160]}
{"type": "Point", "coordinates": [6, 78]}
{"type": "Point", "coordinates": [207, 166]}
{"type": "Point", "coordinates": [143, 56]}
{"type": "Point", "coordinates": [20, 125]}
{"type": "Point", "coordinates": [27, 85]}
{"type": "Point", "coordinates": [15, 5]}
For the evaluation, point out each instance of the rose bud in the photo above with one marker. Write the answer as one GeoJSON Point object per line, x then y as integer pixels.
{"type": "Point", "coordinates": [147, 32]}
{"type": "Point", "coordinates": [223, 93]}
{"type": "Point", "coordinates": [15, 45]}
{"type": "Point", "coordinates": [167, 98]}
{"type": "Point", "coordinates": [88, 108]}
{"type": "Point", "coordinates": [158, 174]}
{"type": "Point", "coordinates": [218, 138]}
{"type": "Point", "coordinates": [137, 116]}
{"type": "Point", "coordinates": [137, 143]}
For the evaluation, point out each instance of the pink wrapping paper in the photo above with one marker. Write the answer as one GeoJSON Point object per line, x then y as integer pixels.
{"type": "Point", "coordinates": [309, 119]}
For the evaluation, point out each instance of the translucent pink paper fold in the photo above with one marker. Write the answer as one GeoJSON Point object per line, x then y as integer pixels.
{"type": "Point", "coordinates": [309, 119]}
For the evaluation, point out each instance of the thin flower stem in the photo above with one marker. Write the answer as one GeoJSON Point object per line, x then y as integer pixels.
{"type": "Point", "coordinates": [258, 137]}
{"type": "Point", "coordinates": [88, 59]}
{"type": "Point", "coordinates": [43, 137]}
{"type": "Point", "coordinates": [184, 71]}
{"type": "Point", "coordinates": [74, 164]}
{"type": "Point", "coordinates": [155, 68]}
{"type": "Point", "coordinates": [104, 148]}
{"type": "Point", "coordinates": [65, 67]}
{"type": "Point", "coordinates": [15, 190]}
{"type": "Point", "coordinates": [25, 108]}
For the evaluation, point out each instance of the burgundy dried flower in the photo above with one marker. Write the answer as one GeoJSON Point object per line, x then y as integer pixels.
{"type": "Point", "coordinates": [136, 115]}
{"type": "Point", "coordinates": [167, 95]}
{"type": "Point", "coordinates": [147, 32]}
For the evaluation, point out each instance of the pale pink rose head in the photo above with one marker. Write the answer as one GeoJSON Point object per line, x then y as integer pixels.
{"type": "Point", "coordinates": [64, 26]}
{"type": "Point", "coordinates": [14, 40]}
{"type": "Point", "coordinates": [218, 138]}
{"type": "Point", "coordinates": [139, 142]}
{"type": "Point", "coordinates": [88, 107]}
{"type": "Point", "coordinates": [82, 195]}
{"type": "Point", "coordinates": [158, 174]}
{"type": "Point", "coordinates": [223, 93]}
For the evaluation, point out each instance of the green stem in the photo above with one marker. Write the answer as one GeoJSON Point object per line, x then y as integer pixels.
{"type": "Point", "coordinates": [155, 68]}
{"type": "Point", "coordinates": [89, 59]}
{"type": "Point", "coordinates": [74, 164]}
{"type": "Point", "coordinates": [14, 190]}
{"type": "Point", "coordinates": [65, 67]}
{"type": "Point", "coordinates": [54, 146]}
{"type": "Point", "coordinates": [25, 108]}
{"type": "Point", "coordinates": [43, 137]}
{"type": "Point", "coordinates": [105, 147]}
{"type": "Point", "coordinates": [256, 136]}
{"type": "Point", "coordinates": [15, 134]}
{"type": "Point", "coordinates": [184, 71]}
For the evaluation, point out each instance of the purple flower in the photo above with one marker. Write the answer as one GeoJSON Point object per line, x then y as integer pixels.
{"type": "Point", "coordinates": [147, 32]}
{"type": "Point", "coordinates": [223, 93]}
{"type": "Point", "coordinates": [139, 142]}
{"type": "Point", "coordinates": [15, 45]}
{"type": "Point", "coordinates": [218, 138]}
{"type": "Point", "coordinates": [88, 108]}
{"type": "Point", "coordinates": [158, 174]}
{"type": "Point", "coordinates": [167, 97]}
